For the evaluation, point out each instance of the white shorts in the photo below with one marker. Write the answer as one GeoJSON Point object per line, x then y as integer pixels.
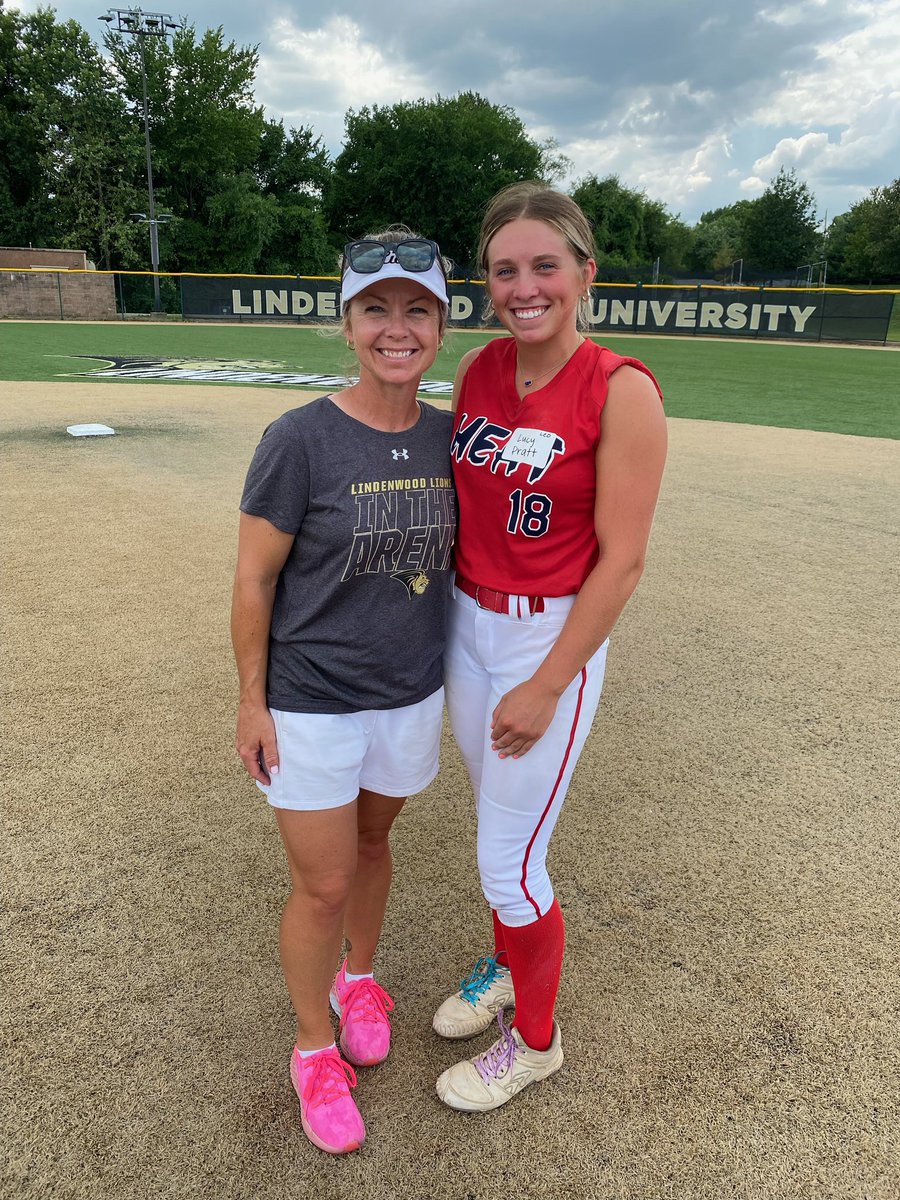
{"type": "Point", "coordinates": [325, 758]}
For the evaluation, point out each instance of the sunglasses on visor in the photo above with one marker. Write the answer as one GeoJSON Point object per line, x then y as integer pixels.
{"type": "Point", "coordinates": [412, 254]}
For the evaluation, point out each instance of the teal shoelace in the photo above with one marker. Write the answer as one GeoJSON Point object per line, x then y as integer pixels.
{"type": "Point", "coordinates": [483, 975]}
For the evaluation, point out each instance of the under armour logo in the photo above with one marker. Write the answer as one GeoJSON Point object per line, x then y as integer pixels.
{"type": "Point", "coordinates": [398, 454]}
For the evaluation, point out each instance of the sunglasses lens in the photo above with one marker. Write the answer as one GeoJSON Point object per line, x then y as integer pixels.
{"type": "Point", "coordinates": [366, 257]}
{"type": "Point", "coordinates": [415, 255]}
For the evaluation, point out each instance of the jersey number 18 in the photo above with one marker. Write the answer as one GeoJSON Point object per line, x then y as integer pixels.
{"type": "Point", "coordinates": [529, 514]}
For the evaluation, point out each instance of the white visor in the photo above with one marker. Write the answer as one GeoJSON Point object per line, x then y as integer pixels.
{"type": "Point", "coordinates": [432, 280]}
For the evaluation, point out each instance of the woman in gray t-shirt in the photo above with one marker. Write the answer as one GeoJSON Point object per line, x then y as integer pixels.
{"type": "Point", "coordinates": [347, 523]}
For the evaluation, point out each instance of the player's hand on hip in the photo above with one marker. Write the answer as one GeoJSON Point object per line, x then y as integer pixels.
{"type": "Point", "coordinates": [256, 743]}
{"type": "Point", "coordinates": [521, 719]}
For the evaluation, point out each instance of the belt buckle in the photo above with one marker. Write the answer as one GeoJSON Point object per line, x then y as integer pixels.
{"type": "Point", "coordinates": [489, 607]}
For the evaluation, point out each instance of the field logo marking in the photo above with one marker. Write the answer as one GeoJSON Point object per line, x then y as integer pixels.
{"type": "Point", "coordinates": [205, 370]}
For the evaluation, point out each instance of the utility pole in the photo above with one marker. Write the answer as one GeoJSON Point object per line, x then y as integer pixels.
{"type": "Point", "coordinates": [133, 22]}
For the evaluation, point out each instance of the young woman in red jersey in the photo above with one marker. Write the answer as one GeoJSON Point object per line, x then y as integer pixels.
{"type": "Point", "coordinates": [558, 453]}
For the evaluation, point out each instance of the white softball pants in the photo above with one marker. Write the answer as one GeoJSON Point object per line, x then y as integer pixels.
{"type": "Point", "coordinates": [517, 801]}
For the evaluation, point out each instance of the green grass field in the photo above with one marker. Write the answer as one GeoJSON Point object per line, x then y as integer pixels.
{"type": "Point", "coordinates": [832, 388]}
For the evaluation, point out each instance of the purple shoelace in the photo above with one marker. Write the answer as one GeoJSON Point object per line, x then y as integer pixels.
{"type": "Point", "coordinates": [501, 1056]}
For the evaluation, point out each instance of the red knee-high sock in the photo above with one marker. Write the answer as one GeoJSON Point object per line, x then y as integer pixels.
{"type": "Point", "coordinates": [535, 955]}
{"type": "Point", "coordinates": [499, 941]}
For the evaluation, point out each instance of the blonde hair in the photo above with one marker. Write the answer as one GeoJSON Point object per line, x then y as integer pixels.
{"type": "Point", "coordinates": [537, 202]}
{"type": "Point", "coordinates": [400, 233]}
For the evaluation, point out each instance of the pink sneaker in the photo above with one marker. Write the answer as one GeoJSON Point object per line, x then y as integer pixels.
{"type": "Point", "coordinates": [363, 1007]}
{"type": "Point", "coordinates": [329, 1114]}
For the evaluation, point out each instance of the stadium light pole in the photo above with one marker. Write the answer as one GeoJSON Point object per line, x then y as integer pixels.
{"type": "Point", "coordinates": [135, 23]}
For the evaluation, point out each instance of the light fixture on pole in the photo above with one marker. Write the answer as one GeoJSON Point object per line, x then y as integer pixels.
{"type": "Point", "coordinates": [133, 22]}
{"type": "Point", "coordinates": [154, 223]}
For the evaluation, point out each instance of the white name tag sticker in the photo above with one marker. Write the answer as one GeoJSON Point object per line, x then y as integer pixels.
{"type": "Point", "coordinates": [532, 446]}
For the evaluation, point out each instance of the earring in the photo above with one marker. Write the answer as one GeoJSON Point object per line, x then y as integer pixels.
{"type": "Point", "coordinates": [350, 346]}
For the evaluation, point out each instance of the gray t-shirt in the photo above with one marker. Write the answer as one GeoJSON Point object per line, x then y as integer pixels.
{"type": "Point", "coordinates": [360, 606]}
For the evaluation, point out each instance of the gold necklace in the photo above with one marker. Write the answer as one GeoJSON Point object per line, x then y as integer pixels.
{"type": "Point", "coordinates": [556, 367]}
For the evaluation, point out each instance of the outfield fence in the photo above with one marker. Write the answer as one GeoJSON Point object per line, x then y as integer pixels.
{"type": "Point", "coordinates": [696, 309]}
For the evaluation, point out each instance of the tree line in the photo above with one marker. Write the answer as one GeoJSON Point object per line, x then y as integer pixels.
{"type": "Point", "coordinates": [248, 195]}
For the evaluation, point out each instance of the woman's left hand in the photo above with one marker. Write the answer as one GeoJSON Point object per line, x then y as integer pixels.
{"type": "Point", "coordinates": [521, 718]}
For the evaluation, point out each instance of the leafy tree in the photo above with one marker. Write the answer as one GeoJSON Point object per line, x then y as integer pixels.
{"type": "Point", "coordinates": [616, 214]}
{"type": "Point", "coordinates": [291, 162]}
{"type": "Point", "coordinates": [555, 165]}
{"type": "Point", "coordinates": [630, 229]}
{"type": "Point", "coordinates": [780, 227]}
{"type": "Point", "coordinates": [244, 194]}
{"type": "Point", "coordinates": [432, 164]}
{"type": "Point", "coordinates": [240, 221]}
{"type": "Point", "coordinates": [719, 237]}
{"type": "Point", "coordinates": [205, 133]}
{"type": "Point", "coordinates": [665, 237]}
{"type": "Point", "coordinates": [294, 168]}
{"type": "Point", "coordinates": [837, 240]}
{"type": "Point", "coordinates": [95, 161]}
{"type": "Point", "coordinates": [66, 158]}
{"type": "Point", "coordinates": [21, 171]}
{"type": "Point", "coordinates": [864, 243]}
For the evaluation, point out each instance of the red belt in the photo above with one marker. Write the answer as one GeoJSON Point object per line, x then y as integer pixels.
{"type": "Point", "coordinates": [496, 602]}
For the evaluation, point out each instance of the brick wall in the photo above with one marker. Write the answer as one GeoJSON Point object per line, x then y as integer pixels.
{"type": "Point", "coordinates": [23, 257]}
{"type": "Point", "coordinates": [57, 295]}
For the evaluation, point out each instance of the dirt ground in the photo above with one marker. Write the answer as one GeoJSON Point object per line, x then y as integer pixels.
{"type": "Point", "coordinates": [727, 858]}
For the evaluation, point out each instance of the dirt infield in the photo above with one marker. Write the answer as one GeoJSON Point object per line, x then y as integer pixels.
{"type": "Point", "coordinates": [727, 859]}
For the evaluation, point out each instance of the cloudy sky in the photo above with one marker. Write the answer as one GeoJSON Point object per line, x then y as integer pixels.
{"type": "Point", "coordinates": [697, 102]}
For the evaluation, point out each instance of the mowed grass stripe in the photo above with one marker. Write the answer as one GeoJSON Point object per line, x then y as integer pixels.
{"type": "Point", "coordinates": [836, 389]}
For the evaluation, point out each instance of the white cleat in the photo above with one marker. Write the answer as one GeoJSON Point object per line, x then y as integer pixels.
{"type": "Point", "coordinates": [491, 1079]}
{"type": "Point", "coordinates": [483, 994]}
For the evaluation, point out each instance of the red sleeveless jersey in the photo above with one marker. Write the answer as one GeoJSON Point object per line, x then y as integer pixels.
{"type": "Point", "coordinates": [525, 471]}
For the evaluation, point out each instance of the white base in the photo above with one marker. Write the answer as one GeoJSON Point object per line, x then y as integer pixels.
{"type": "Point", "coordinates": [90, 430]}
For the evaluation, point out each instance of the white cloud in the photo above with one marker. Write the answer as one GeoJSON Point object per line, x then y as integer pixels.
{"type": "Point", "coordinates": [314, 76]}
{"type": "Point", "coordinates": [544, 83]}
{"type": "Point", "coordinates": [869, 139]}
{"type": "Point", "coordinates": [677, 177]}
{"type": "Point", "coordinates": [787, 15]}
{"type": "Point", "coordinates": [793, 152]}
{"type": "Point", "coordinates": [849, 73]}
{"type": "Point", "coordinates": [837, 121]}
{"type": "Point", "coordinates": [720, 95]}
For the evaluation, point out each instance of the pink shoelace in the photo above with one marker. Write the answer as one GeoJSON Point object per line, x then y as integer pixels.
{"type": "Point", "coordinates": [365, 1000]}
{"type": "Point", "coordinates": [500, 1058]}
{"type": "Point", "coordinates": [327, 1078]}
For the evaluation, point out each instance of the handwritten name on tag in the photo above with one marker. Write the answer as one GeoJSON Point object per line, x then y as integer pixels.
{"type": "Point", "coordinates": [532, 446]}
